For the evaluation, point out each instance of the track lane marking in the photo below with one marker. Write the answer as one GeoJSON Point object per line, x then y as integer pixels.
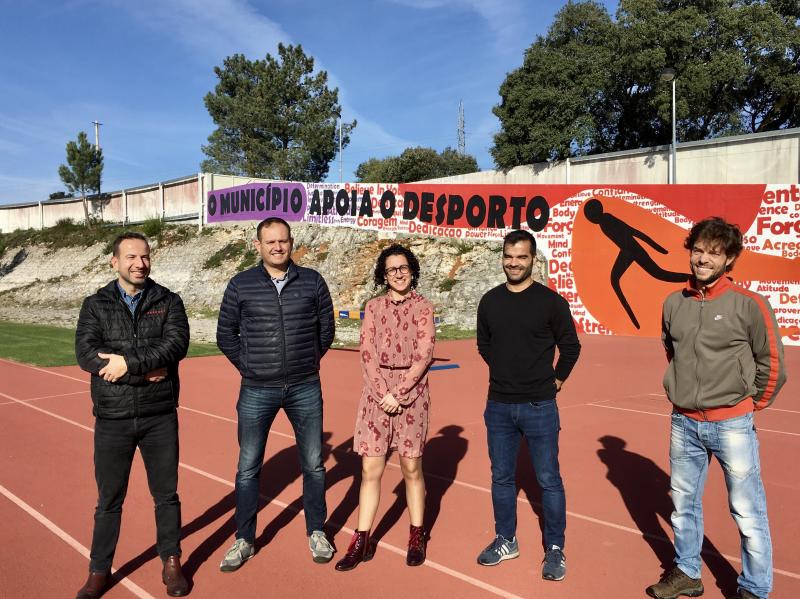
{"type": "Point", "coordinates": [760, 429]}
{"type": "Point", "coordinates": [68, 539]}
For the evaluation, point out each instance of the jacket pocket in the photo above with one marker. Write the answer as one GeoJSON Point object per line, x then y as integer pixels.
{"type": "Point", "coordinates": [747, 374]}
{"type": "Point", "coordinates": [669, 380]}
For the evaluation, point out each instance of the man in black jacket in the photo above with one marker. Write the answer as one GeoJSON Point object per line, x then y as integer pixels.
{"type": "Point", "coordinates": [520, 323]}
{"type": "Point", "coordinates": [275, 323]}
{"type": "Point", "coordinates": [131, 335]}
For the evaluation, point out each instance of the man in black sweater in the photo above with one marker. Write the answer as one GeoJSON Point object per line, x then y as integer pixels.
{"type": "Point", "coordinates": [520, 323]}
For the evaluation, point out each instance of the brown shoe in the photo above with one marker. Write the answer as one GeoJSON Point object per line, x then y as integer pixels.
{"type": "Point", "coordinates": [177, 586]}
{"type": "Point", "coordinates": [416, 546]}
{"type": "Point", "coordinates": [94, 587]}
{"type": "Point", "coordinates": [361, 550]}
{"type": "Point", "coordinates": [742, 594]}
{"type": "Point", "coordinates": [674, 584]}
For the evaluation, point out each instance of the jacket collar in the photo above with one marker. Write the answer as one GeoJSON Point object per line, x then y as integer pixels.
{"type": "Point", "coordinates": [722, 286]}
{"type": "Point", "coordinates": [150, 292]}
{"type": "Point", "coordinates": [291, 271]}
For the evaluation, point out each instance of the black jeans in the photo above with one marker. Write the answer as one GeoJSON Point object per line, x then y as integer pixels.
{"type": "Point", "coordinates": [115, 442]}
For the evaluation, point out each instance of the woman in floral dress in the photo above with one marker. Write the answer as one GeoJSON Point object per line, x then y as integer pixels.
{"type": "Point", "coordinates": [397, 339]}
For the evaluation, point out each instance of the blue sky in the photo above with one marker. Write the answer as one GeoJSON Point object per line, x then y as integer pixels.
{"type": "Point", "coordinates": [142, 67]}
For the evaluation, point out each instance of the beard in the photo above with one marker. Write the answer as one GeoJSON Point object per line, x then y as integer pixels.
{"type": "Point", "coordinates": [517, 276]}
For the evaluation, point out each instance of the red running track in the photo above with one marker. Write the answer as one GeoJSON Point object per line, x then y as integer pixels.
{"type": "Point", "coordinates": [614, 458]}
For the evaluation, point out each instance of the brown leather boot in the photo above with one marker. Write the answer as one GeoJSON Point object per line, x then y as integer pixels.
{"type": "Point", "coordinates": [416, 546]}
{"type": "Point", "coordinates": [177, 586]}
{"type": "Point", "coordinates": [94, 587]}
{"type": "Point", "coordinates": [361, 550]}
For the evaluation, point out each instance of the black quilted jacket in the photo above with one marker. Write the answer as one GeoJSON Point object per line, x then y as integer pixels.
{"type": "Point", "coordinates": [156, 336]}
{"type": "Point", "coordinates": [275, 340]}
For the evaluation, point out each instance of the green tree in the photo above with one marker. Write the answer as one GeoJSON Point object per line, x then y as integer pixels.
{"type": "Point", "coordinates": [83, 170]}
{"type": "Point", "coordinates": [58, 195]}
{"type": "Point", "coordinates": [592, 84]}
{"type": "Point", "coordinates": [416, 164]}
{"type": "Point", "coordinates": [274, 118]}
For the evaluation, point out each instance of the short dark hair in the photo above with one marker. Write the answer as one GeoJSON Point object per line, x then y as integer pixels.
{"type": "Point", "coordinates": [272, 220]}
{"type": "Point", "coordinates": [127, 235]}
{"type": "Point", "coordinates": [517, 235]}
{"type": "Point", "coordinates": [717, 231]}
{"type": "Point", "coordinates": [396, 250]}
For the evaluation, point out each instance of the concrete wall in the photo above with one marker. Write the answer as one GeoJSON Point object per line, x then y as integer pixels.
{"type": "Point", "coordinates": [772, 157]}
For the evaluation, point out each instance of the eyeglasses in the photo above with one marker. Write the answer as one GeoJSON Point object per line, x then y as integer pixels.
{"type": "Point", "coordinates": [392, 272]}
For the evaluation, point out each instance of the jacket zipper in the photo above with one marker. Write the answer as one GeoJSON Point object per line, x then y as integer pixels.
{"type": "Point", "coordinates": [283, 337]}
{"type": "Point", "coordinates": [134, 324]}
{"type": "Point", "coordinates": [696, 357]}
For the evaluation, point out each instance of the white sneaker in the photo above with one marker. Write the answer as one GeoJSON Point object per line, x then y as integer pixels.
{"type": "Point", "coordinates": [321, 549]}
{"type": "Point", "coordinates": [238, 554]}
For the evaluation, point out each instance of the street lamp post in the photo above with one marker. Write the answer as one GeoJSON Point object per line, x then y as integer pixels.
{"type": "Point", "coordinates": [668, 74]}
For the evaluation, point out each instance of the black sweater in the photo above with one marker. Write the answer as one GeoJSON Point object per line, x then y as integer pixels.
{"type": "Point", "coordinates": [517, 337]}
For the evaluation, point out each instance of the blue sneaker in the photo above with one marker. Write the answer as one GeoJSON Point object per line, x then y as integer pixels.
{"type": "Point", "coordinates": [554, 565]}
{"type": "Point", "coordinates": [498, 550]}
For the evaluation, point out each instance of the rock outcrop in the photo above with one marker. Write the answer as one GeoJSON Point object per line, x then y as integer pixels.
{"type": "Point", "coordinates": [47, 286]}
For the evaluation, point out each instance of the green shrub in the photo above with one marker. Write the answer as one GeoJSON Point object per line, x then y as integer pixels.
{"type": "Point", "coordinates": [235, 249]}
{"type": "Point", "coordinates": [447, 285]}
{"type": "Point", "coordinates": [152, 228]}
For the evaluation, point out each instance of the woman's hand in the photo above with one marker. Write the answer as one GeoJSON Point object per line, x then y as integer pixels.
{"type": "Point", "coordinates": [390, 405]}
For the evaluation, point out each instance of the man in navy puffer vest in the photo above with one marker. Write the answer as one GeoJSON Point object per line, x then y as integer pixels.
{"type": "Point", "coordinates": [275, 323]}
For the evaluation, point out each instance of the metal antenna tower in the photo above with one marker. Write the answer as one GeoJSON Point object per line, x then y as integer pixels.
{"type": "Point", "coordinates": [461, 138]}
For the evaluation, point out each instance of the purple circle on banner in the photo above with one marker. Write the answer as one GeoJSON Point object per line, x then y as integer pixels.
{"type": "Point", "coordinates": [257, 201]}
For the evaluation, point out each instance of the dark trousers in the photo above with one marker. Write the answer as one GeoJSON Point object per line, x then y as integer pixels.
{"type": "Point", "coordinates": [506, 425]}
{"type": "Point", "coordinates": [115, 442]}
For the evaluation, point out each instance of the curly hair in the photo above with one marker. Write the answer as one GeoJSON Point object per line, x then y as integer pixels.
{"type": "Point", "coordinates": [716, 231]}
{"type": "Point", "coordinates": [396, 250]}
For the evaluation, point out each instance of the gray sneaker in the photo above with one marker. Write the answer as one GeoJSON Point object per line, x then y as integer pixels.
{"type": "Point", "coordinates": [321, 549]}
{"type": "Point", "coordinates": [238, 554]}
{"type": "Point", "coordinates": [554, 565]}
{"type": "Point", "coordinates": [498, 550]}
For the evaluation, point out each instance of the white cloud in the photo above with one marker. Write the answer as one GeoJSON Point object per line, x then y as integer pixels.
{"type": "Point", "coordinates": [505, 18]}
{"type": "Point", "coordinates": [216, 28]}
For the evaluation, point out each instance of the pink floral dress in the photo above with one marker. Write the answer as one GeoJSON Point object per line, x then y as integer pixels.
{"type": "Point", "coordinates": [397, 340]}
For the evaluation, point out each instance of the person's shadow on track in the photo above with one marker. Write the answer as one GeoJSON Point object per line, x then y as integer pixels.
{"type": "Point", "coordinates": [630, 251]}
{"type": "Point", "coordinates": [644, 488]}
{"type": "Point", "coordinates": [441, 457]}
{"type": "Point", "coordinates": [277, 474]}
{"type": "Point", "coordinates": [347, 467]}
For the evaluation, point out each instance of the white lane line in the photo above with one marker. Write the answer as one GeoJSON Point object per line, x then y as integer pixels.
{"type": "Point", "coordinates": [273, 501]}
{"type": "Point", "coordinates": [66, 376]}
{"type": "Point", "coordinates": [768, 430]}
{"type": "Point", "coordinates": [8, 403]}
{"type": "Point", "coordinates": [771, 409]}
{"type": "Point", "coordinates": [69, 540]}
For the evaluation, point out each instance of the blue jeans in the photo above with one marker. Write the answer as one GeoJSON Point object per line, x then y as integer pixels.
{"type": "Point", "coordinates": [257, 408]}
{"type": "Point", "coordinates": [115, 443]}
{"type": "Point", "coordinates": [735, 445]}
{"type": "Point", "coordinates": [539, 423]}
